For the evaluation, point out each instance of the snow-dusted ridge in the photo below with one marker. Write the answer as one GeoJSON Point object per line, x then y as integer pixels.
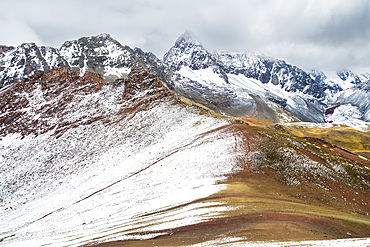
{"type": "Point", "coordinates": [110, 188]}
{"type": "Point", "coordinates": [120, 162]}
{"type": "Point", "coordinates": [101, 54]}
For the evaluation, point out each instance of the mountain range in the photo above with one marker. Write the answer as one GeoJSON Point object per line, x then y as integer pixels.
{"type": "Point", "coordinates": [233, 84]}
{"type": "Point", "coordinates": [103, 144]}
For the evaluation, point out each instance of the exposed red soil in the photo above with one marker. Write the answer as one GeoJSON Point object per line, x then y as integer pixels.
{"type": "Point", "coordinates": [61, 89]}
{"type": "Point", "coordinates": [329, 112]}
{"type": "Point", "coordinates": [357, 200]}
{"type": "Point", "coordinates": [259, 226]}
{"type": "Point", "coordinates": [352, 157]}
{"type": "Point", "coordinates": [313, 156]}
{"type": "Point", "coordinates": [58, 88]}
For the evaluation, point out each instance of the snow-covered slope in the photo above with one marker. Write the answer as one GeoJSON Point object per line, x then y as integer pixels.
{"type": "Point", "coordinates": [342, 80]}
{"type": "Point", "coordinates": [342, 113]}
{"type": "Point", "coordinates": [348, 93]}
{"type": "Point", "coordinates": [358, 97]}
{"type": "Point", "coordinates": [84, 159]}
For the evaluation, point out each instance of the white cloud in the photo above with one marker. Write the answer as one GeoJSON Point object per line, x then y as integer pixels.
{"type": "Point", "coordinates": [15, 33]}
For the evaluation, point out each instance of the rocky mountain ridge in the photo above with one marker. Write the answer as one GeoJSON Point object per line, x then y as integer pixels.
{"type": "Point", "coordinates": [246, 84]}
{"type": "Point", "coordinates": [258, 86]}
{"type": "Point", "coordinates": [230, 83]}
{"type": "Point", "coordinates": [101, 54]}
{"type": "Point", "coordinates": [188, 52]}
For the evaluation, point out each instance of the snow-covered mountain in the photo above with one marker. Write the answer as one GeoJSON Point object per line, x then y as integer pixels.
{"type": "Point", "coordinates": [254, 85]}
{"type": "Point", "coordinates": [230, 83]}
{"type": "Point", "coordinates": [101, 54]}
{"type": "Point", "coordinates": [359, 98]}
{"type": "Point", "coordinates": [241, 84]}
{"type": "Point", "coordinates": [342, 80]}
{"type": "Point", "coordinates": [348, 93]}
{"type": "Point", "coordinates": [84, 160]}
{"type": "Point", "coordinates": [94, 154]}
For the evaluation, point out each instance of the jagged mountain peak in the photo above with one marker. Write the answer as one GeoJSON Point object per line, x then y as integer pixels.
{"type": "Point", "coordinates": [339, 80]}
{"type": "Point", "coordinates": [188, 51]}
{"type": "Point", "coordinates": [28, 45]}
{"type": "Point", "coordinates": [101, 54]}
{"type": "Point", "coordinates": [187, 38]}
{"type": "Point", "coordinates": [91, 41]}
{"type": "Point", "coordinates": [345, 74]}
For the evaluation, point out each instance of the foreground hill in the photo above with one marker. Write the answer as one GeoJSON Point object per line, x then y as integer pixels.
{"type": "Point", "coordinates": [85, 161]}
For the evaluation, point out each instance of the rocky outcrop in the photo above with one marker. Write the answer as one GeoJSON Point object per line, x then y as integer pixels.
{"type": "Point", "coordinates": [4, 48]}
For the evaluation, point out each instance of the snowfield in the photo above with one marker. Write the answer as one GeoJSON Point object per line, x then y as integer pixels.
{"type": "Point", "coordinates": [95, 181]}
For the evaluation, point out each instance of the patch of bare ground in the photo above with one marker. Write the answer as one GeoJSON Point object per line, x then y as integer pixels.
{"type": "Point", "coordinates": [262, 209]}
{"type": "Point", "coordinates": [352, 157]}
{"type": "Point", "coordinates": [266, 226]}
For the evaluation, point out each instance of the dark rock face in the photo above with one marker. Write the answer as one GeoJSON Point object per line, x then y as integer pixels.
{"type": "Point", "coordinates": [93, 53]}
{"type": "Point", "coordinates": [329, 112]}
{"type": "Point", "coordinates": [151, 63]}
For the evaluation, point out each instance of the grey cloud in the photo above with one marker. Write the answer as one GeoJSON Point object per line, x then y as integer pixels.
{"type": "Point", "coordinates": [328, 35]}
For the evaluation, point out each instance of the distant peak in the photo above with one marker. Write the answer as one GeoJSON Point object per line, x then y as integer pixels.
{"type": "Point", "coordinates": [100, 38]}
{"type": "Point", "coordinates": [188, 34]}
{"type": "Point", "coordinates": [104, 36]}
{"type": "Point", "coordinates": [28, 45]}
{"type": "Point", "coordinates": [188, 37]}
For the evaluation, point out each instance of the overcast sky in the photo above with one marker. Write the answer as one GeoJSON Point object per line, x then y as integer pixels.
{"type": "Point", "coordinates": [312, 34]}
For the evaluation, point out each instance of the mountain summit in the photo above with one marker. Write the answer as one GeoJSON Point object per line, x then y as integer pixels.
{"type": "Point", "coordinates": [188, 51]}
{"type": "Point", "coordinates": [223, 81]}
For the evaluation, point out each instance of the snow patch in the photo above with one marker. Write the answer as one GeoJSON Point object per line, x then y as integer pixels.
{"type": "Point", "coordinates": [119, 72]}
{"type": "Point", "coordinates": [344, 113]}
